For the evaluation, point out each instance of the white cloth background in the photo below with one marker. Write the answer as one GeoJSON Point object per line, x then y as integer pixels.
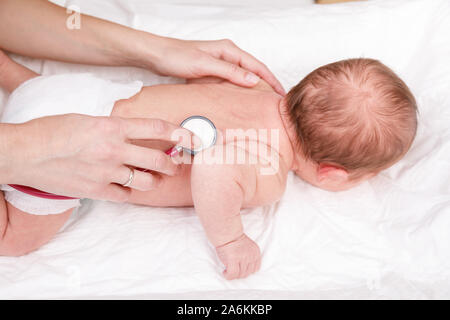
{"type": "Point", "coordinates": [388, 238]}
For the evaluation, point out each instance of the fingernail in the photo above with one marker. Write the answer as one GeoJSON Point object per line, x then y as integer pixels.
{"type": "Point", "coordinates": [174, 151]}
{"type": "Point", "coordinates": [251, 78]}
{"type": "Point", "coordinates": [178, 160]}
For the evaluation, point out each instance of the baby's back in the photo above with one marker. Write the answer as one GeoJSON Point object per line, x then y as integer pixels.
{"type": "Point", "coordinates": [226, 105]}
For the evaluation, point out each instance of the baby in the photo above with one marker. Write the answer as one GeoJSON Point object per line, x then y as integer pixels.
{"type": "Point", "coordinates": [341, 125]}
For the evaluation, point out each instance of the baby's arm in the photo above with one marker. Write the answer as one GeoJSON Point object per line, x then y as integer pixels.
{"type": "Point", "coordinates": [219, 192]}
{"type": "Point", "coordinates": [21, 233]}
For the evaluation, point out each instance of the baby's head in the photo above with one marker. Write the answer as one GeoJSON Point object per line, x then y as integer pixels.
{"type": "Point", "coordinates": [350, 120]}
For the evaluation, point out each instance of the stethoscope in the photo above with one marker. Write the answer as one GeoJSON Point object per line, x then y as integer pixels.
{"type": "Point", "coordinates": [200, 126]}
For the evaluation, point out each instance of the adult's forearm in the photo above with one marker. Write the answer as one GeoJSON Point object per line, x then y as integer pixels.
{"type": "Point", "coordinates": [37, 28]}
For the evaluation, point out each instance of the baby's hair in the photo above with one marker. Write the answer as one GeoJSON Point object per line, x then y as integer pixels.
{"type": "Point", "coordinates": [356, 114]}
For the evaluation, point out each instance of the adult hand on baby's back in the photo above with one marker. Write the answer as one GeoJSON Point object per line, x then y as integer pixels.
{"type": "Point", "coordinates": [88, 157]}
{"type": "Point", "coordinates": [241, 258]}
{"type": "Point", "coordinates": [221, 58]}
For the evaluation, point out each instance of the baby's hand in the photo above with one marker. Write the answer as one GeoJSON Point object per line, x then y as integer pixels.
{"type": "Point", "coordinates": [241, 257]}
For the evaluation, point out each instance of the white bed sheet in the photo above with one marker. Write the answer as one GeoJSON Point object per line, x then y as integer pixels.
{"type": "Point", "coordinates": [387, 238]}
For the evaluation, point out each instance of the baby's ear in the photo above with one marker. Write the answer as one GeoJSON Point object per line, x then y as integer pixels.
{"type": "Point", "coordinates": [329, 172]}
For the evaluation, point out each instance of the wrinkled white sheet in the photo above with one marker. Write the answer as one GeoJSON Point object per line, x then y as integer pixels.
{"type": "Point", "coordinates": [388, 238]}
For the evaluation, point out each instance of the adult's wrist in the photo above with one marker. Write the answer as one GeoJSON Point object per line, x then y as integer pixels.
{"type": "Point", "coordinates": [147, 51]}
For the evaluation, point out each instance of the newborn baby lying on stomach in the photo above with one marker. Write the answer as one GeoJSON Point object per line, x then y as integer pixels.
{"type": "Point", "coordinates": [341, 125]}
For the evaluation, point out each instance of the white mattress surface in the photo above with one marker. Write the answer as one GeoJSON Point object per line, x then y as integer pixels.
{"type": "Point", "coordinates": [388, 238]}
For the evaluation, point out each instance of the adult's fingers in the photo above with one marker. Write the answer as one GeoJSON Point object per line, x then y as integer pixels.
{"type": "Point", "coordinates": [228, 51]}
{"type": "Point", "coordinates": [116, 193]}
{"type": "Point", "coordinates": [157, 129]}
{"type": "Point", "coordinates": [142, 181]}
{"type": "Point", "coordinates": [230, 71]}
{"type": "Point", "coordinates": [150, 159]}
{"type": "Point", "coordinates": [238, 56]}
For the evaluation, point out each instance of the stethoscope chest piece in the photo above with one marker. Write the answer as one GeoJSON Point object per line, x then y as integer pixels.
{"type": "Point", "coordinates": [204, 129]}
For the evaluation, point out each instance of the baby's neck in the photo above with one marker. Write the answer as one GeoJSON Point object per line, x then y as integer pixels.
{"type": "Point", "coordinates": [290, 131]}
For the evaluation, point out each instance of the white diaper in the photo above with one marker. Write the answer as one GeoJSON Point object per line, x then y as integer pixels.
{"type": "Point", "coordinates": [81, 93]}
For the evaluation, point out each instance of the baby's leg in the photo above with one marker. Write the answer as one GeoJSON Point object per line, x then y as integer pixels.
{"type": "Point", "coordinates": [21, 233]}
{"type": "Point", "coordinates": [13, 74]}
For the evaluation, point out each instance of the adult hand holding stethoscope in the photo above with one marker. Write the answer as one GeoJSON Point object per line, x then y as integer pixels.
{"type": "Point", "coordinates": [83, 156]}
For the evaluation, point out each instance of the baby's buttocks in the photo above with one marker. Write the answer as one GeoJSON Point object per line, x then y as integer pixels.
{"type": "Point", "coordinates": [81, 93]}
